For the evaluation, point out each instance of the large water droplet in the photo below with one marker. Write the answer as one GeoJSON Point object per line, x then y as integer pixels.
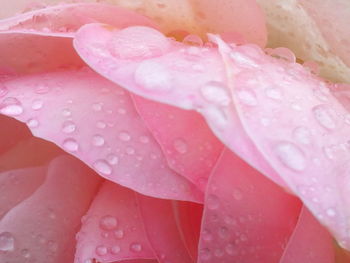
{"type": "Point", "coordinates": [103, 167]}
{"type": "Point", "coordinates": [291, 156]}
{"type": "Point", "coordinates": [153, 76]}
{"type": "Point", "coordinates": [302, 135]}
{"type": "Point", "coordinates": [247, 97]}
{"type": "Point", "coordinates": [180, 146]}
{"type": "Point", "coordinates": [108, 222]}
{"type": "Point", "coordinates": [98, 140]}
{"type": "Point", "coordinates": [70, 145]}
{"type": "Point", "coordinates": [138, 42]}
{"type": "Point", "coordinates": [68, 127]}
{"type": "Point", "coordinates": [7, 242]}
{"type": "Point", "coordinates": [324, 116]}
{"type": "Point", "coordinates": [215, 92]}
{"type": "Point", "coordinates": [11, 106]}
{"type": "Point", "coordinates": [135, 247]}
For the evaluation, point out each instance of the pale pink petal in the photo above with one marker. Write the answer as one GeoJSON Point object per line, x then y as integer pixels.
{"type": "Point", "coordinates": [112, 229]}
{"type": "Point", "coordinates": [162, 230]}
{"type": "Point", "coordinates": [167, 71]}
{"type": "Point", "coordinates": [305, 133]}
{"type": "Point", "coordinates": [188, 144]}
{"type": "Point", "coordinates": [17, 185]}
{"type": "Point", "coordinates": [95, 120]}
{"type": "Point", "coordinates": [310, 242]}
{"type": "Point", "coordinates": [65, 19]}
{"type": "Point", "coordinates": [246, 216]}
{"type": "Point", "coordinates": [42, 228]}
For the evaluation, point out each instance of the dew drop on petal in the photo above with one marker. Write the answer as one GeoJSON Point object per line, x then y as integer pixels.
{"type": "Point", "coordinates": [213, 202]}
{"type": "Point", "coordinates": [180, 146]}
{"type": "Point", "coordinates": [119, 234]}
{"type": "Point", "coordinates": [302, 135]}
{"type": "Point", "coordinates": [193, 40]}
{"type": "Point", "coordinates": [101, 250]}
{"type": "Point", "coordinates": [3, 90]}
{"type": "Point", "coordinates": [291, 156]}
{"type": "Point", "coordinates": [68, 127]}
{"type": "Point", "coordinates": [7, 242]}
{"type": "Point", "coordinates": [153, 76]}
{"type": "Point", "coordinates": [32, 123]}
{"type": "Point", "coordinates": [124, 136]}
{"type": "Point", "coordinates": [66, 112]}
{"type": "Point", "coordinates": [247, 97]}
{"type": "Point", "coordinates": [102, 167]}
{"type": "Point", "coordinates": [135, 247]}
{"type": "Point", "coordinates": [98, 140]}
{"type": "Point", "coordinates": [101, 124]}
{"type": "Point", "coordinates": [108, 222]}
{"type": "Point", "coordinates": [70, 145]}
{"type": "Point", "coordinates": [324, 116]}
{"type": "Point", "coordinates": [112, 159]}
{"type": "Point", "coordinates": [115, 249]}
{"type": "Point", "coordinates": [273, 93]}
{"type": "Point", "coordinates": [11, 106]}
{"type": "Point", "coordinates": [37, 104]}
{"type": "Point", "coordinates": [215, 92]}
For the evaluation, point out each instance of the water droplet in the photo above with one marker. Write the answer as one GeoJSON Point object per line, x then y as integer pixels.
{"type": "Point", "coordinates": [119, 234]}
{"type": "Point", "coordinates": [180, 146]}
{"type": "Point", "coordinates": [11, 106]}
{"type": "Point", "coordinates": [237, 194]}
{"type": "Point", "coordinates": [193, 40]}
{"type": "Point", "coordinates": [213, 202]}
{"type": "Point", "coordinates": [219, 252]}
{"type": "Point", "coordinates": [273, 93]}
{"type": "Point", "coordinates": [231, 249]}
{"type": "Point", "coordinates": [130, 150]}
{"type": "Point", "coordinates": [247, 97]}
{"type": "Point", "coordinates": [138, 42]}
{"type": "Point", "coordinates": [112, 159]}
{"type": "Point", "coordinates": [25, 253]}
{"type": "Point", "coordinates": [331, 212]}
{"type": "Point", "coordinates": [215, 92]}
{"type": "Point", "coordinates": [101, 125]}
{"type": "Point", "coordinates": [302, 135]}
{"type": "Point", "coordinates": [223, 232]}
{"type": "Point", "coordinates": [206, 235]}
{"type": "Point", "coordinates": [153, 76]}
{"type": "Point", "coordinates": [144, 139]}
{"type": "Point", "coordinates": [103, 167]}
{"type": "Point", "coordinates": [70, 145]}
{"type": "Point", "coordinates": [33, 123]}
{"type": "Point", "coordinates": [7, 242]}
{"type": "Point", "coordinates": [52, 245]}
{"type": "Point", "coordinates": [37, 104]}
{"type": "Point", "coordinates": [42, 89]}
{"type": "Point", "coordinates": [68, 127]}
{"type": "Point", "coordinates": [108, 222]}
{"type": "Point", "coordinates": [324, 116]}
{"type": "Point", "coordinates": [101, 250]}
{"type": "Point", "coordinates": [115, 249]}
{"type": "Point", "coordinates": [291, 156]}
{"type": "Point", "coordinates": [205, 254]}
{"type": "Point", "coordinates": [135, 247]}
{"type": "Point", "coordinates": [98, 140]}
{"type": "Point", "coordinates": [124, 136]}
{"type": "Point", "coordinates": [97, 106]}
{"type": "Point", "coordinates": [66, 112]}
{"type": "Point", "coordinates": [3, 90]}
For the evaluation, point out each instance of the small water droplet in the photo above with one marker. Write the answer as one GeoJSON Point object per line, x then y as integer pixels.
{"type": "Point", "coordinates": [108, 222]}
{"type": "Point", "coordinates": [68, 127]}
{"type": "Point", "coordinates": [331, 212]}
{"type": "Point", "coordinates": [25, 253]}
{"type": "Point", "coordinates": [66, 112]}
{"type": "Point", "coordinates": [273, 93]}
{"type": "Point", "coordinates": [237, 194]}
{"type": "Point", "coordinates": [33, 123]}
{"type": "Point", "coordinates": [124, 136]}
{"type": "Point", "coordinates": [52, 245]}
{"type": "Point", "coordinates": [115, 249]}
{"type": "Point", "coordinates": [231, 249]}
{"type": "Point", "coordinates": [153, 76]}
{"type": "Point", "coordinates": [11, 106]}
{"type": "Point", "coordinates": [101, 250]}
{"type": "Point", "coordinates": [135, 247]}
{"type": "Point", "coordinates": [144, 139]}
{"type": "Point", "coordinates": [101, 124]}
{"type": "Point", "coordinates": [291, 156]}
{"type": "Point", "coordinates": [205, 254]}
{"type": "Point", "coordinates": [223, 232]}
{"type": "Point", "coordinates": [7, 242]}
{"type": "Point", "coordinates": [119, 234]}
{"type": "Point", "coordinates": [42, 89]}
{"type": "Point", "coordinates": [213, 202]}
{"type": "Point", "coordinates": [193, 40]}
{"type": "Point", "coordinates": [130, 150]}
{"type": "Point", "coordinates": [180, 146]}
{"type": "Point", "coordinates": [97, 106]}
{"type": "Point", "coordinates": [3, 90]}
{"type": "Point", "coordinates": [206, 235]}
{"type": "Point", "coordinates": [37, 104]}
{"type": "Point", "coordinates": [70, 145]}
{"type": "Point", "coordinates": [98, 140]}
{"type": "Point", "coordinates": [302, 135]}
{"type": "Point", "coordinates": [324, 116]}
{"type": "Point", "coordinates": [112, 159]}
{"type": "Point", "coordinates": [103, 167]}
{"type": "Point", "coordinates": [215, 92]}
{"type": "Point", "coordinates": [247, 97]}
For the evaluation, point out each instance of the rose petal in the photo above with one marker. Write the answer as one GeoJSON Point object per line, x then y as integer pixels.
{"type": "Point", "coordinates": [112, 229]}
{"type": "Point", "coordinates": [42, 228]}
{"type": "Point", "coordinates": [96, 121]}
{"type": "Point", "coordinates": [173, 73]}
{"type": "Point", "coordinates": [190, 148]}
{"type": "Point", "coordinates": [162, 231]}
{"type": "Point", "coordinates": [310, 242]}
{"type": "Point", "coordinates": [246, 216]}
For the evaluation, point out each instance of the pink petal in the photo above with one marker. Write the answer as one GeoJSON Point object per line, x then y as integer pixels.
{"type": "Point", "coordinates": [17, 185]}
{"type": "Point", "coordinates": [164, 70]}
{"type": "Point", "coordinates": [246, 216]}
{"type": "Point", "coordinates": [162, 231]}
{"type": "Point", "coordinates": [42, 228]}
{"type": "Point", "coordinates": [112, 229]}
{"type": "Point", "coordinates": [310, 242]}
{"type": "Point", "coordinates": [191, 148]}
{"type": "Point", "coordinates": [304, 135]}
{"type": "Point", "coordinates": [65, 19]}
{"type": "Point", "coordinates": [96, 121]}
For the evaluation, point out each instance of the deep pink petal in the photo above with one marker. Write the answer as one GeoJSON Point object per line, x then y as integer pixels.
{"type": "Point", "coordinates": [42, 228]}
{"type": "Point", "coordinates": [112, 229]}
{"type": "Point", "coordinates": [246, 216]}
{"type": "Point", "coordinates": [164, 70]}
{"type": "Point", "coordinates": [162, 231]}
{"type": "Point", "coordinates": [188, 144]}
{"type": "Point", "coordinates": [96, 121]}
{"type": "Point", "coordinates": [310, 242]}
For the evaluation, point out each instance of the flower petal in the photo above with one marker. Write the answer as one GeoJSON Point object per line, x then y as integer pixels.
{"type": "Point", "coordinates": [112, 229]}
{"type": "Point", "coordinates": [310, 242]}
{"type": "Point", "coordinates": [190, 148]}
{"type": "Point", "coordinates": [245, 216]}
{"type": "Point", "coordinates": [96, 121]}
{"type": "Point", "coordinates": [42, 228]}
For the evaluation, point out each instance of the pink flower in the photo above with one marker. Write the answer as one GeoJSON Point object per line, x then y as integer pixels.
{"type": "Point", "coordinates": [170, 149]}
